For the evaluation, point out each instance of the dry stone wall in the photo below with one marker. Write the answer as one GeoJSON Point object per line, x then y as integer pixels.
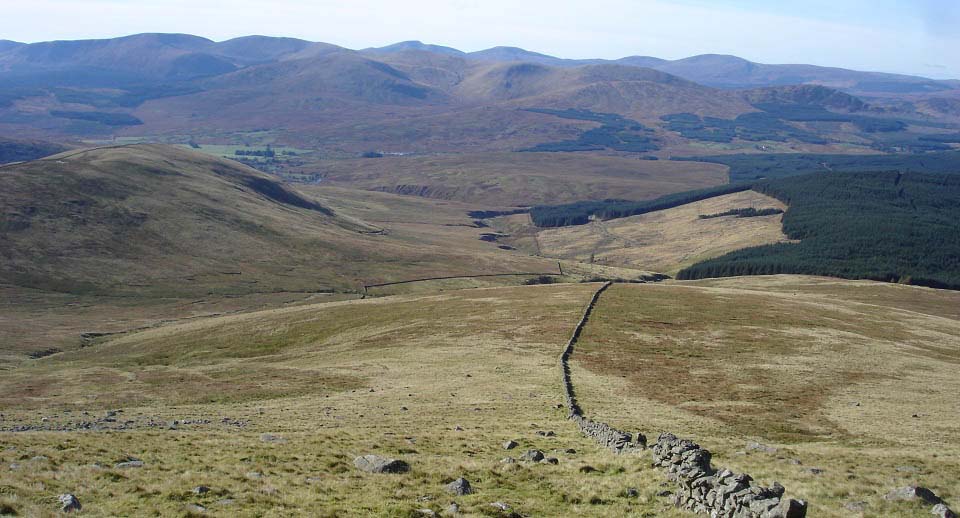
{"type": "Point", "coordinates": [700, 487]}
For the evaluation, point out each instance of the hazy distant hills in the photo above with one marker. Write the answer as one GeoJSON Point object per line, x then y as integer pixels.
{"type": "Point", "coordinates": [181, 55]}
{"type": "Point", "coordinates": [412, 96]}
{"type": "Point", "coordinates": [721, 71]}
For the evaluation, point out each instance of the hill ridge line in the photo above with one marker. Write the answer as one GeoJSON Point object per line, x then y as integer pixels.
{"type": "Point", "coordinates": [702, 489]}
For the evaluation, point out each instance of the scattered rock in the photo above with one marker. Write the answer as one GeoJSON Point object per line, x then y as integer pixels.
{"type": "Point", "coordinates": [914, 493]}
{"type": "Point", "coordinates": [532, 455]}
{"type": "Point", "coordinates": [756, 446]}
{"type": "Point", "coordinates": [201, 490]}
{"type": "Point", "coordinates": [549, 433]}
{"type": "Point", "coordinates": [132, 463]}
{"type": "Point", "coordinates": [501, 506]}
{"type": "Point", "coordinates": [459, 487]}
{"type": "Point", "coordinates": [225, 501]}
{"type": "Point", "coordinates": [857, 507]}
{"type": "Point", "coordinates": [509, 445]}
{"type": "Point", "coordinates": [254, 475]}
{"type": "Point", "coordinates": [453, 509]}
{"type": "Point", "coordinates": [815, 471]}
{"type": "Point", "coordinates": [795, 462]}
{"type": "Point", "coordinates": [587, 469]}
{"type": "Point", "coordinates": [550, 460]}
{"type": "Point", "coordinates": [69, 503]}
{"type": "Point", "coordinates": [631, 492]}
{"type": "Point", "coordinates": [942, 511]}
{"type": "Point", "coordinates": [269, 437]}
{"type": "Point", "coordinates": [508, 460]}
{"type": "Point", "coordinates": [458, 428]}
{"type": "Point", "coordinates": [570, 451]}
{"type": "Point", "coordinates": [426, 512]}
{"type": "Point", "coordinates": [377, 464]}
{"type": "Point", "coordinates": [195, 508]}
{"type": "Point", "coordinates": [664, 492]}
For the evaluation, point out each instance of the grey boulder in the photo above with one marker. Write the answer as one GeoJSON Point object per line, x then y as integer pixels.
{"type": "Point", "coordinates": [914, 493]}
{"type": "Point", "coordinates": [532, 455]}
{"type": "Point", "coordinates": [378, 464]}
{"type": "Point", "coordinates": [459, 487]}
{"type": "Point", "coordinates": [69, 503]}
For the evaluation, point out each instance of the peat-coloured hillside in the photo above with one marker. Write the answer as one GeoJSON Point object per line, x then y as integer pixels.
{"type": "Point", "coordinates": [885, 226]}
{"type": "Point", "coordinates": [154, 221]}
{"type": "Point", "coordinates": [158, 219]}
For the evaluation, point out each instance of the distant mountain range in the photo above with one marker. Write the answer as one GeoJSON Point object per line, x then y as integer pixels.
{"type": "Point", "coordinates": [721, 71]}
{"type": "Point", "coordinates": [185, 56]}
{"type": "Point", "coordinates": [413, 96]}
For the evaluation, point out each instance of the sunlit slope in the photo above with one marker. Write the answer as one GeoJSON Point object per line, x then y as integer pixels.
{"type": "Point", "coordinates": [439, 381]}
{"type": "Point", "coordinates": [671, 239]}
{"type": "Point", "coordinates": [856, 379]}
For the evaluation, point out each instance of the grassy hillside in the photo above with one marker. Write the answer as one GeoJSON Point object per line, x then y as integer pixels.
{"type": "Point", "coordinates": [272, 407]}
{"type": "Point", "coordinates": [517, 179]}
{"type": "Point", "coordinates": [882, 226]}
{"type": "Point", "coordinates": [670, 239]}
{"type": "Point", "coordinates": [579, 213]}
{"type": "Point", "coordinates": [440, 381]}
{"type": "Point", "coordinates": [164, 221]}
{"type": "Point", "coordinates": [769, 360]}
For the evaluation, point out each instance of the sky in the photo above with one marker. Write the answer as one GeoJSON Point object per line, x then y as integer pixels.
{"type": "Point", "coordinates": [906, 36]}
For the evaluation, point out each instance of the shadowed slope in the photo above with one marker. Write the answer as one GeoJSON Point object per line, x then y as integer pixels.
{"type": "Point", "coordinates": [164, 221]}
{"type": "Point", "coordinates": [153, 218]}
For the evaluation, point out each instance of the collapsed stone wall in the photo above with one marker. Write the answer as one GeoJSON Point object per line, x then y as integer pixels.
{"type": "Point", "coordinates": [701, 488]}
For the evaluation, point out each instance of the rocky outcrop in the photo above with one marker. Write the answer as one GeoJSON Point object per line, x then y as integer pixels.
{"type": "Point", "coordinates": [701, 488]}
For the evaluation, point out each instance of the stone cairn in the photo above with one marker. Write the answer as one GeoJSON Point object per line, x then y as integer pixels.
{"type": "Point", "coordinates": [701, 488]}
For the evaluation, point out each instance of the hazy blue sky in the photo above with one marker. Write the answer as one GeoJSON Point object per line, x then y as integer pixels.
{"type": "Point", "coordinates": [918, 36]}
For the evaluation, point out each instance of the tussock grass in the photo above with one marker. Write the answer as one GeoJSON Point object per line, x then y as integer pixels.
{"type": "Point", "coordinates": [830, 372]}
{"type": "Point", "coordinates": [482, 360]}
